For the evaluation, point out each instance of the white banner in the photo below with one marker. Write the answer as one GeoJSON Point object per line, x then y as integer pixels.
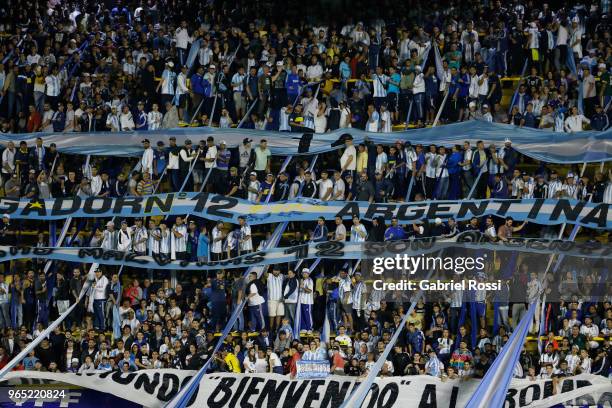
{"type": "Point", "coordinates": [153, 388]}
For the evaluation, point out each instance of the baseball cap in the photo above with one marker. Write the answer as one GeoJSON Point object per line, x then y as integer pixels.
{"type": "Point", "coordinates": [253, 173]}
{"type": "Point", "coordinates": [146, 141]}
{"type": "Point", "coordinates": [246, 140]}
{"type": "Point", "coordinates": [212, 66]}
{"type": "Point", "coordinates": [187, 141]}
{"type": "Point", "coordinates": [223, 142]}
{"type": "Point", "coordinates": [305, 270]}
{"type": "Point", "coordinates": [279, 63]}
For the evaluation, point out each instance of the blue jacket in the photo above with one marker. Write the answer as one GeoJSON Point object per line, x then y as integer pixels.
{"type": "Point", "coordinates": [600, 121]}
{"type": "Point", "coordinates": [476, 161]}
{"type": "Point", "coordinates": [452, 165]}
{"type": "Point", "coordinates": [293, 84]}
{"type": "Point", "coordinates": [197, 84]}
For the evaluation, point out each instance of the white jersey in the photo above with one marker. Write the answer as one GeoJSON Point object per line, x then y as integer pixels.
{"type": "Point", "coordinates": [430, 165]}
{"type": "Point", "coordinates": [307, 298]}
{"type": "Point", "coordinates": [251, 195]}
{"type": "Point", "coordinates": [165, 242]}
{"type": "Point", "coordinates": [528, 188]}
{"type": "Point", "coordinates": [153, 241]}
{"type": "Point", "coordinates": [345, 291]}
{"type": "Point", "coordinates": [154, 120]}
{"type": "Point", "coordinates": [217, 241]}
{"type": "Point", "coordinates": [109, 240]}
{"type": "Point", "coordinates": [379, 83]}
{"type": "Point", "coordinates": [179, 244]}
{"type": "Point", "coordinates": [275, 287]}
{"type": "Point", "coordinates": [181, 84]}
{"type": "Point", "coordinates": [247, 244]}
{"type": "Point", "coordinates": [124, 242]}
{"type": "Point", "coordinates": [358, 233]}
{"type": "Point", "coordinates": [554, 186]}
{"type": "Point", "coordinates": [570, 190]}
{"type": "Point", "coordinates": [138, 235]}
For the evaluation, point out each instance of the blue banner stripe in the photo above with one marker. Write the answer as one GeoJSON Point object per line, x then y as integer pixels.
{"type": "Point", "coordinates": [230, 209]}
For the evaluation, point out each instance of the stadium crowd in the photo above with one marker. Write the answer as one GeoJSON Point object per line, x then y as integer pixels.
{"type": "Point", "coordinates": [75, 68]}
{"type": "Point", "coordinates": [66, 67]}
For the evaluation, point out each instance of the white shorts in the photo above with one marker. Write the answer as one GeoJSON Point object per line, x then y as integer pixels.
{"type": "Point", "coordinates": [276, 308]}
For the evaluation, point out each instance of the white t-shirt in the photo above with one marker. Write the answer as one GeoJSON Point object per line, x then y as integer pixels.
{"type": "Point", "coordinates": [348, 152]}
{"type": "Point", "coordinates": [325, 185]}
{"type": "Point", "coordinates": [257, 299]}
{"type": "Point", "coordinates": [483, 89]}
{"type": "Point", "coordinates": [211, 153]}
{"type": "Point", "coordinates": [430, 166]}
{"type": "Point", "coordinates": [385, 121]}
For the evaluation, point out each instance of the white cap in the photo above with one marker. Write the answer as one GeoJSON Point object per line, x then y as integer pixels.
{"type": "Point", "coordinates": [211, 66]}
{"type": "Point", "coordinates": [507, 140]}
{"type": "Point", "coordinates": [110, 224]}
{"type": "Point", "coordinates": [438, 220]}
{"type": "Point", "coordinates": [472, 104]}
{"type": "Point", "coordinates": [279, 63]}
{"type": "Point", "coordinates": [223, 142]}
{"type": "Point", "coordinates": [6, 216]}
{"type": "Point", "coordinates": [305, 270]}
